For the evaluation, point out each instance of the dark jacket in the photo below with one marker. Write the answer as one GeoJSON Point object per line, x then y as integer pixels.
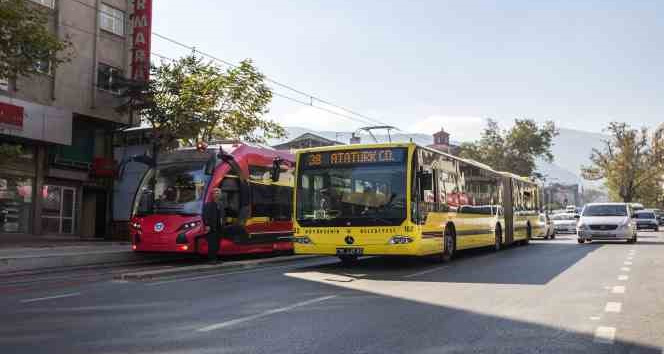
{"type": "Point", "coordinates": [213, 216]}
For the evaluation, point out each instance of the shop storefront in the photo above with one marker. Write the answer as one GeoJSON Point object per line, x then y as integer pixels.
{"type": "Point", "coordinates": [16, 200]}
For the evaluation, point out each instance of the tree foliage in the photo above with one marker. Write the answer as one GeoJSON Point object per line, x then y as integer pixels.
{"type": "Point", "coordinates": [631, 162]}
{"type": "Point", "coordinates": [25, 40]}
{"type": "Point", "coordinates": [189, 100]}
{"type": "Point", "coordinates": [515, 150]}
{"type": "Point", "coordinates": [9, 152]}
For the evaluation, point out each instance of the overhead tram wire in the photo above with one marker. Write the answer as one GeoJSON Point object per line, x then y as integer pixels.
{"type": "Point", "coordinates": [355, 116]}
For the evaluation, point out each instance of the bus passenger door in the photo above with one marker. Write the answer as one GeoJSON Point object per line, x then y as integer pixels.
{"type": "Point", "coordinates": [508, 210]}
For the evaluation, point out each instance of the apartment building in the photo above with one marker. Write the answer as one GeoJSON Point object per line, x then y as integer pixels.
{"type": "Point", "coordinates": [64, 119]}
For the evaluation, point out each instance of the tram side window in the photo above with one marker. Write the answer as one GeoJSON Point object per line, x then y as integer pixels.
{"type": "Point", "coordinates": [262, 200]}
{"type": "Point", "coordinates": [271, 201]}
{"type": "Point", "coordinates": [230, 196]}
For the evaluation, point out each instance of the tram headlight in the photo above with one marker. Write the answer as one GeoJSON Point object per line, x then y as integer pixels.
{"type": "Point", "coordinates": [189, 225]}
{"type": "Point", "coordinates": [136, 225]}
{"type": "Point", "coordinates": [400, 240]}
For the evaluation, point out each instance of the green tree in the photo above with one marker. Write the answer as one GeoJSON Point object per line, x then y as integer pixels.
{"type": "Point", "coordinates": [189, 100]}
{"type": "Point", "coordinates": [9, 152]}
{"type": "Point", "coordinates": [515, 150]}
{"type": "Point", "coordinates": [25, 40]}
{"type": "Point", "coordinates": [631, 162]}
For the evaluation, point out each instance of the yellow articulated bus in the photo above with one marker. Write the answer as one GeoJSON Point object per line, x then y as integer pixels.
{"type": "Point", "coordinates": [402, 199]}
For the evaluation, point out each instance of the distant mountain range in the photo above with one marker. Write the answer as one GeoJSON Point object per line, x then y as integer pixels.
{"type": "Point", "coordinates": [571, 150]}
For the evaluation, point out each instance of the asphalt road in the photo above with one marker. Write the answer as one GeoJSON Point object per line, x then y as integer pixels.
{"type": "Point", "coordinates": [553, 296]}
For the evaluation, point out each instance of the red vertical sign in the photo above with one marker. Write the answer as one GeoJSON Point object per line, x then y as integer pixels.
{"type": "Point", "coordinates": [141, 22]}
{"type": "Point", "coordinates": [11, 116]}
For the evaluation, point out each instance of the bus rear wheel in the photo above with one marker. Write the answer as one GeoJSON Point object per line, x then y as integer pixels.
{"type": "Point", "coordinates": [498, 238]}
{"type": "Point", "coordinates": [529, 234]}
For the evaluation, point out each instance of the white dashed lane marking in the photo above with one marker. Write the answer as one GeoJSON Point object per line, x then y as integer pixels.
{"type": "Point", "coordinates": [627, 263]}
{"type": "Point", "coordinates": [625, 269]}
{"type": "Point", "coordinates": [263, 314]}
{"type": "Point", "coordinates": [618, 289]}
{"type": "Point", "coordinates": [50, 297]}
{"type": "Point", "coordinates": [613, 307]}
{"type": "Point", "coordinates": [424, 272]}
{"type": "Point", "coordinates": [605, 335]}
{"type": "Point", "coordinates": [623, 277]}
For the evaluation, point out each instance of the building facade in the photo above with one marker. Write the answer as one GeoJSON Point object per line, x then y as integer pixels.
{"type": "Point", "coordinates": [441, 142]}
{"type": "Point", "coordinates": [306, 140]}
{"type": "Point", "coordinates": [64, 120]}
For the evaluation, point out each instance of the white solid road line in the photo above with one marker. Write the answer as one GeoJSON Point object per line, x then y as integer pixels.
{"type": "Point", "coordinates": [605, 335]}
{"type": "Point", "coordinates": [618, 289]}
{"type": "Point", "coordinates": [217, 275]}
{"type": "Point", "coordinates": [613, 307]}
{"type": "Point", "coordinates": [263, 314]}
{"type": "Point", "coordinates": [50, 297]}
{"type": "Point", "coordinates": [424, 272]}
{"type": "Point", "coordinates": [625, 269]}
{"type": "Point", "coordinates": [623, 277]}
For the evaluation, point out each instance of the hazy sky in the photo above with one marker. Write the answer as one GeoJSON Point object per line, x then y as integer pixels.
{"type": "Point", "coordinates": [420, 65]}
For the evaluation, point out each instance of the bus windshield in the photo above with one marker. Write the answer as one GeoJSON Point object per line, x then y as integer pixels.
{"type": "Point", "coordinates": [353, 194]}
{"type": "Point", "coordinates": [173, 189]}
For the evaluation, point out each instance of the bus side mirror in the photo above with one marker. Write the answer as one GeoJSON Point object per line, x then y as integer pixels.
{"type": "Point", "coordinates": [276, 169]}
{"type": "Point", "coordinates": [577, 216]}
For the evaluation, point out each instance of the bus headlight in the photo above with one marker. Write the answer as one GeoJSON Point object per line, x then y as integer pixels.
{"type": "Point", "coordinates": [399, 240]}
{"type": "Point", "coordinates": [305, 240]}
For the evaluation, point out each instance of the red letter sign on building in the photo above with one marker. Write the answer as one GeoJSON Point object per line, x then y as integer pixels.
{"type": "Point", "coordinates": [11, 117]}
{"type": "Point", "coordinates": [141, 22]}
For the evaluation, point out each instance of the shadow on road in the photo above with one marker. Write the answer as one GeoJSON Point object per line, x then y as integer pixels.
{"type": "Point", "coordinates": [535, 264]}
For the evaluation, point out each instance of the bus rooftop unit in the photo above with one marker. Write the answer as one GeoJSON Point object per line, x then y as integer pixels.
{"type": "Point", "coordinates": [256, 184]}
{"type": "Point", "coordinates": [404, 199]}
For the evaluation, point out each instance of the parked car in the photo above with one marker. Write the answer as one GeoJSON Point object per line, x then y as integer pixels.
{"type": "Point", "coordinates": [564, 223]}
{"type": "Point", "coordinates": [606, 221]}
{"type": "Point", "coordinates": [646, 219]}
{"type": "Point", "coordinates": [636, 206]}
{"type": "Point", "coordinates": [548, 231]}
{"type": "Point", "coordinates": [660, 216]}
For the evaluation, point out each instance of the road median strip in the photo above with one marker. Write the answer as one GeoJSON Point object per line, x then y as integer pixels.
{"type": "Point", "coordinates": [157, 273]}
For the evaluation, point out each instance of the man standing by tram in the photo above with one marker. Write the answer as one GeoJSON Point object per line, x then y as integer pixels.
{"type": "Point", "coordinates": [213, 217]}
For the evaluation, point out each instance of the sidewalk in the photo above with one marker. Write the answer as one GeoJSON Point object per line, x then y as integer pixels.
{"type": "Point", "coordinates": [45, 255]}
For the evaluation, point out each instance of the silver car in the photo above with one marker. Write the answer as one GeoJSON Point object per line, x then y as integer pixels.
{"type": "Point", "coordinates": [647, 219]}
{"type": "Point", "coordinates": [606, 221]}
{"type": "Point", "coordinates": [564, 223]}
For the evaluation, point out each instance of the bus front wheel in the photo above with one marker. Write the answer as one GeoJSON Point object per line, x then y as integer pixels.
{"type": "Point", "coordinates": [348, 260]}
{"type": "Point", "coordinates": [449, 245]}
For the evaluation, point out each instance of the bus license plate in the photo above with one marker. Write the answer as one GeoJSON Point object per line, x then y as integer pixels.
{"type": "Point", "coordinates": [350, 251]}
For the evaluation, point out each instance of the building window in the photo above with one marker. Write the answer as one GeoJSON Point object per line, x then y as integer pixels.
{"type": "Point", "coordinates": [112, 20]}
{"type": "Point", "coordinates": [48, 3]}
{"type": "Point", "coordinates": [109, 78]}
{"type": "Point", "coordinates": [4, 84]}
{"type": "Point", "coordinates": [43, 66]}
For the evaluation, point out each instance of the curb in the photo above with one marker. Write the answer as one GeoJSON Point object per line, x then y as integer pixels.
{"type": "Point", "coordinates": [150, 274]}
{"type": "Point", "coordinates": [9, 265]}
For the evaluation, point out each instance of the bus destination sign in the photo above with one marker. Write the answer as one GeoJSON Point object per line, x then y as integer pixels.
{"type": "Point", "coordinates": [352, 157]}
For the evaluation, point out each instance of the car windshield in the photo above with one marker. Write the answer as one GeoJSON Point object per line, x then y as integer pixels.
{"type": "Point", "coordinates": [645, 215]}
{"type": "Point", "coordinates": [361, 192]}
{"type": "Point", "coordinates": [173, 189]}
{"type": "Point", "coordinates": [605, 210]}
{"type": "Point", "coordinates": [563, 217]}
